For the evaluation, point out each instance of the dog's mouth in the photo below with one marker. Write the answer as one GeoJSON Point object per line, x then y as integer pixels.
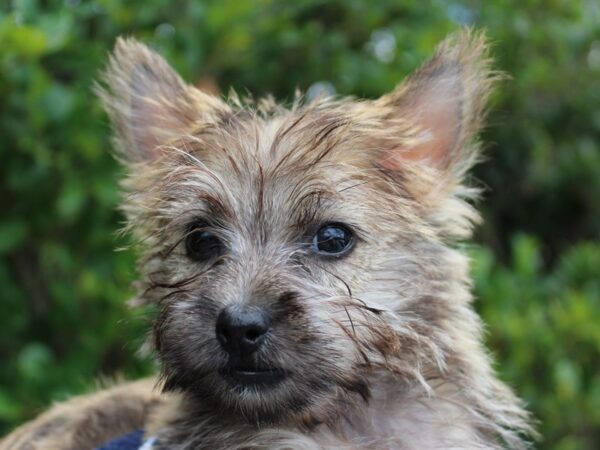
{"type": "Point", "coordinates": [241, 375]}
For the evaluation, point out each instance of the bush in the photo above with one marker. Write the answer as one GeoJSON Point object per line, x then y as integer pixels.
{"type": "Point", "coordinates": [543, 329]}
{"type": "Point", "coordinates": [63, 288]}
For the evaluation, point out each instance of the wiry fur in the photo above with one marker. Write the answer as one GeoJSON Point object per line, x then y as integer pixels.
{"type": "Point", "coordinates": [383, 345]}
{"type": "Point", "coordinates": [86, 422]}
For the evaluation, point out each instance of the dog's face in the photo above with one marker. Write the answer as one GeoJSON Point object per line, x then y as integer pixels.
{"type": "Point", "coordinates": [295, 252]}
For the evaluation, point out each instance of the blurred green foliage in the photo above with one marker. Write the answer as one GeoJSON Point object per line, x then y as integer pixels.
{"type": "Point", "coordinates": [63, 288]}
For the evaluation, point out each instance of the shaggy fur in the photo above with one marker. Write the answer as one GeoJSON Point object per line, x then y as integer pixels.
{"type": "Point", "coordinates": [382, 346]}
{"type": "Point", "coordinates": [88, 421]}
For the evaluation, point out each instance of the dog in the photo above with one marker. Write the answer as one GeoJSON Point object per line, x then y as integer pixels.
{"type": "Point", "coordinates": [304, 268]}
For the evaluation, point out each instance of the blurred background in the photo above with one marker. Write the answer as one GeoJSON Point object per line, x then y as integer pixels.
{"type": "Point", "coordinates": [63, 285]}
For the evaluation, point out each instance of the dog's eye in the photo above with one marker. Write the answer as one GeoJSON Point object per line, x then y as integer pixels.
{"type": "Point", "coordinates": [333, 239]}
{"type": "Point", "coordinates": [202, 245]}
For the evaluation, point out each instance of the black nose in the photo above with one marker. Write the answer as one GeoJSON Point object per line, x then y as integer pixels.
{"type": "Point", "coordinates": [242, 331]}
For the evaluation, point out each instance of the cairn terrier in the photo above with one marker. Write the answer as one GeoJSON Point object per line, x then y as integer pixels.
{"type": "Point", "coordinates": [303, 264]}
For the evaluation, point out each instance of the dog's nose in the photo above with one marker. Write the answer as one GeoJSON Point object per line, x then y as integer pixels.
{"type": "Point", "coordinates": [242, 331]}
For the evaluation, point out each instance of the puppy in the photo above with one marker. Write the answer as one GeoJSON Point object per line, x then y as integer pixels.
{"type": "Point", "coordinates": [302, 262]}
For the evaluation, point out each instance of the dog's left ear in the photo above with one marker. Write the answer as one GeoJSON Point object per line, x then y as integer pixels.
{"type": "Point", "coordinates": [440, 108]}
{"type": "Point", "coordinates": [149, 105]}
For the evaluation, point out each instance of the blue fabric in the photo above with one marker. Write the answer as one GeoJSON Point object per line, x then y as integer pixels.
{"type": "Point", "coordinates": [131, 441]}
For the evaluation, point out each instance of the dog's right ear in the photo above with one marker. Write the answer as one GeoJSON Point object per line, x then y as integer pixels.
{"type": "Point", "coordinates": [149, 105]}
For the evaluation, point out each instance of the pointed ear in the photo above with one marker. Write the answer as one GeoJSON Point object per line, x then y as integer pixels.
{"type": "Point", "coordinates": [148, 103]}
{"type": "Point", "coordinates": [441, 107]}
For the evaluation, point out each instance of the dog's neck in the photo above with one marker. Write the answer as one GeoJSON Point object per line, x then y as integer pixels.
{"type": "Point", "coordinates": [395, 417]}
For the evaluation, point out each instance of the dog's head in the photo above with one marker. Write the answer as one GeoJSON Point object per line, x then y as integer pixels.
{"type": "Point", "coordinates": [295, 252]}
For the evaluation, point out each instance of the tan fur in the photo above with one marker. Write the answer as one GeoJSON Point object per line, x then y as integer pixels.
{"type": "Point", "coordinates": [88, 421]}
{"type": "Point", "coordinates": [383, 347]}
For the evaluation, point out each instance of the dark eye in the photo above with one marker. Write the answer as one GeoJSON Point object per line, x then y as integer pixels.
{"type": "Point", "coordinates": [333, 239]}
{"type": "Point", "coordinates": [202, 245]}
